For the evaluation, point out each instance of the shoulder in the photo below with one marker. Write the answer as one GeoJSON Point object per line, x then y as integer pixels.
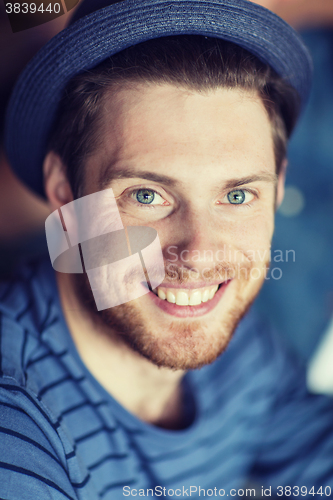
{"type": "Point", "coordinates": [28, 308]}
{"type": "Point", "coordinates": [25, 296]}
{"type": "Point", "coordinates": [34, 451]}
{"type": "Point", "coordinates": [35, 446]}
{"type": "Point", "coordinates": [251, 346]}
{"type": "Point", "coordinates": [255, 361]}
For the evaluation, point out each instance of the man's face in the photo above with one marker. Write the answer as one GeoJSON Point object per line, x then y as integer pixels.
{"type": "Point", "coordinates": [200, 169]}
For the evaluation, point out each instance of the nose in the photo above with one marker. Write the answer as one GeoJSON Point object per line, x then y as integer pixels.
{"type": "Point", "coordinates": [195, 242]}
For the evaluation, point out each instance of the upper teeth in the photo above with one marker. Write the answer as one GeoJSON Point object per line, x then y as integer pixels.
{"type": "Point", "coordinates": [186, 297]}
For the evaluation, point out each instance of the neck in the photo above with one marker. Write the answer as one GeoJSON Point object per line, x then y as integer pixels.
{"type": "Point", "coordinates": [151, 393]}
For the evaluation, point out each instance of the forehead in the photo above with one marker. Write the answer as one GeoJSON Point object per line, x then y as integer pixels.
{"type": "Point", "coordinates": [160, 127]}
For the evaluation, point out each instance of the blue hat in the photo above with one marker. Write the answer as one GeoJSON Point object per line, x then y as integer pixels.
{"type": "Point", "coordinates": [101, 28]}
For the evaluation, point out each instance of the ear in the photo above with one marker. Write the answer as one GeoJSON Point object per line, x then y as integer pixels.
{"type": "Point", "coordinates": [280, 185]}
{"type": "Point", "coordinates": [56, 184]}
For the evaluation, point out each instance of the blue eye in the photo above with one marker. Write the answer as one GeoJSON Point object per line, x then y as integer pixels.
{"type": "Point", "coordinates": [236, 197]}
{"type": "Point", "coordinates": [145, 196]}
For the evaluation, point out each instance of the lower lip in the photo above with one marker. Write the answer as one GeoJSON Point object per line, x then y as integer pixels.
{"type": "Point", "coordinates": [189, 311]}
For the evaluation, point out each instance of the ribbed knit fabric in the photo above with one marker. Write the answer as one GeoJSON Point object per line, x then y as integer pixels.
{"type": "Point", "coordinates": [62, 436]}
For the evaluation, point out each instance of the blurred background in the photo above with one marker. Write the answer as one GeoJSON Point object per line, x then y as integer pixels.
{"type": "Point", "coordinates": [22, 214]}
{"type": "Point", "coordinates": [300, 304]}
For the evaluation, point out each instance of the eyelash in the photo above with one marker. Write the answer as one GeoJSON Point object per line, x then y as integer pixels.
{"type": "Point", "coordinates": [132, 195]}
{"type": "Point", "coordinates": [243, 205]}
{"type": "Point", "coordinates": [142, 205]}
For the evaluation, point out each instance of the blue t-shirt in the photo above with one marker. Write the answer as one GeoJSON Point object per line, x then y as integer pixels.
{"type": "Point", "coordinates": [63, 436]}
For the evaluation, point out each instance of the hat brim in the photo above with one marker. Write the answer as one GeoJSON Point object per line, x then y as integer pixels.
{"type": "Point", "coordinates": [102, 33]}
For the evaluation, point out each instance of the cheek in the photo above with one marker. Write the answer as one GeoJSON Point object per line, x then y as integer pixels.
{"type": "Point", "coordinates": [250, 235]}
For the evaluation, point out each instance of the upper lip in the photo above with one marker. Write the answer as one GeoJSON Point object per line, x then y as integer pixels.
{"type": "Point", "coordinates": [190, 286]}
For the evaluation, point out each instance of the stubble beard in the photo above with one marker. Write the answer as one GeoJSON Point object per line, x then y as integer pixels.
{"type": "Point", "coordinates": [183, 344]}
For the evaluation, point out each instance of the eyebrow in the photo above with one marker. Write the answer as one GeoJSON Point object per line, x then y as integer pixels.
{"type": "Point", "coordinates": [108, 176]}
{"type": "Point", "coordinates": [261, 177]}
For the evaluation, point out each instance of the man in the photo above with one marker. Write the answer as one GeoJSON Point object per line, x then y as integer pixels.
{"type": "Point", "coordinates": [182, 130]}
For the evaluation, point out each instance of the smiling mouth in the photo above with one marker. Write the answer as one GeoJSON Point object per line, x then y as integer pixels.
{"type": "Point", "coordinates": [185, 296]}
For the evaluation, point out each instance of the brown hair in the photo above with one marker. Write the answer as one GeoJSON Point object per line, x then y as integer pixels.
{"type": "Point", "coordinates": [191, 61]}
